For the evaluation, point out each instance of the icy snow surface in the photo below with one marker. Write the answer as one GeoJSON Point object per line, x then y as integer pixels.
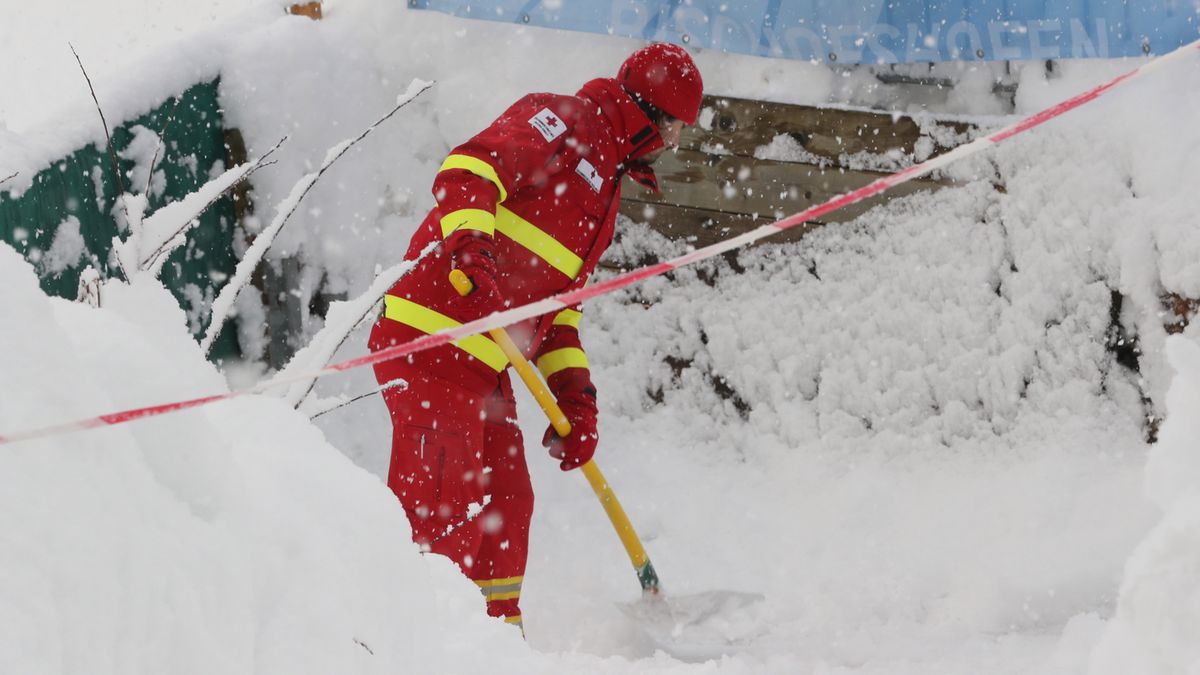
{"type": "Point", "coordinates": [905, 431]}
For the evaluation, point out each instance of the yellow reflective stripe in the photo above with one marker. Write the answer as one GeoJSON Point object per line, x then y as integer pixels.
{"type": "Point", "coordinates": [501, 592]}
{"type": "Point", "coordinates": [507, 588]}
{"type": "Point", "coordinates": [568, 317]}
{"type": "Point", "coordinates": [469, 219]}
{"type": "Point", "coordinates": [507, 581]}
{"type": "Point", "coordinates": [428, 321]}
{"type": "Point", "coordinates": [476, 166]}
{"type": "Point", "coordinates": [561, 359]}
{"type": "Point", "coordinates": [541, 244]}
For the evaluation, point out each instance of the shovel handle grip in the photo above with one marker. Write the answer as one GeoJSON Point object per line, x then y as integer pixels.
{"type": "Point", "coordinates": [461, 282]}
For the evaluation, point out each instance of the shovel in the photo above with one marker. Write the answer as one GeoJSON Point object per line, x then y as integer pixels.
{"type": "Point", "coordinates": [677, 624]}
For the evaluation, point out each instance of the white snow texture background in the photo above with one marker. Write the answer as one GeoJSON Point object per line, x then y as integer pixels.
{"type": "Point", "coordinates": [906, 432]}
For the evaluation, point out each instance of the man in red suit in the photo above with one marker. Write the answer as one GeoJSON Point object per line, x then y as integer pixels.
{"type": "Point", "coordinates": [525, 208]}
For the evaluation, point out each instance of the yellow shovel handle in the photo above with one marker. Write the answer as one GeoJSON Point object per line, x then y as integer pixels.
{"type": "Point", "coordinates": [462, 284]}
{"type": "Point", "coordinates": [620, 521]}
{"type": "Point", "coordinates": [608, 499]}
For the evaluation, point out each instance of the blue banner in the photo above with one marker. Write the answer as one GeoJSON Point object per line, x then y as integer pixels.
{"type": "Point", "coordinates": [868, 31]}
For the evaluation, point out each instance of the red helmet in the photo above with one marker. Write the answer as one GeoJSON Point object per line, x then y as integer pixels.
{"type": "Point", "coordinates": [664, 76]}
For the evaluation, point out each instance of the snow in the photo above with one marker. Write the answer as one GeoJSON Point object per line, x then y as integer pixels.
{"type": "Point", "coordinates": [906, 431]}
{"type": "Point", "coordinates": [66, 249]}
{"type": "Point", "coordinates": [48, 112]}
{"type": "Point", "coordinates": [255, 253]}
{"type": "Point", "coordinates": [340, 322]}
{"type": "Point", "coordinates": [234, 539]}
{"type": "Point", "coordinates": [150, 244]}
{"type": "Point", "coordinates": [144, 151]}
{"type": "Point", "coordinates": [1158, 615]}
{"type": "Point", "coordinates": [132, 548]}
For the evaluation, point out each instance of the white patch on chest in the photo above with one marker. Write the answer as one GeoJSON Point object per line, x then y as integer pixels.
{"type": "Point", "coordinates": [590, 174]}
{"type": "Point", "coordinates": [549, 125]}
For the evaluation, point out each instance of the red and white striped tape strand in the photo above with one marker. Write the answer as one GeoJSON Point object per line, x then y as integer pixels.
{"type": "Point", "coordinates": [564, 300]}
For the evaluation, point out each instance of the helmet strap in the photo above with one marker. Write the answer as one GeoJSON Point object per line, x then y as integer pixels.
{"type": "Point", "coordinates": [653, 112]}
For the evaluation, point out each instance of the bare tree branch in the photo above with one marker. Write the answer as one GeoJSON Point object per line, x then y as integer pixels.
{"type": "Point", "coordinates": [163, 250]}
{"type": "Point", "coordinates": [8, 178]}
{"type": "Point", "coordinates": [342, 404]}
{"type": "Point", "coordinates": [112, 153]}
{"type": "Point", "coordinates": [342, 319]}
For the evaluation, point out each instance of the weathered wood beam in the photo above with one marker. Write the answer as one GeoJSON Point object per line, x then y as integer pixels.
{"type": "Point", "coordinates": [741, 126]}
{"type": "Point", "coordinates": [714, 187]}
{"type": "Point", "coordinates": [760, 187]}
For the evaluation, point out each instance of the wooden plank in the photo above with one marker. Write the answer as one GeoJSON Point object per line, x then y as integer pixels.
{"type": "Point", "coordinates": [707, 196]}
{"type": "Point", "coordinates": [702, 227]}
{"type": "Point", "coordinates": [758, 187]}
{"type": "Point", "coordinates": [742, 125]}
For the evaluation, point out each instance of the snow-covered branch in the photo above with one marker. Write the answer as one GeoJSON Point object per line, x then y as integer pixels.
{"type": "Point", "coordinates": [341, 320]}
{"type": "Point", "coordinates": [151, 241]}
{"type": "Point", "coordinates": [167, 229]}
{"type": "Point", "coordinates": [335, 404]}
{"type": "Point", "coordinates": [283, 211]}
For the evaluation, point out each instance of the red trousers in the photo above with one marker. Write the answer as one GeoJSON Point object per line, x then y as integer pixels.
{"type": "Point", "coordinates": [458, 468]}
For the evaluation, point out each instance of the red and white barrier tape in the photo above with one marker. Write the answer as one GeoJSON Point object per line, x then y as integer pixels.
{"type": "Point", "coordinates": [558, 302]}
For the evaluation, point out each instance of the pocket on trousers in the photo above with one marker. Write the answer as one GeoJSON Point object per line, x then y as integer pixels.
{"type": "Point", "coordinates": [414, 470]}
{"type": "Point", "coordinates": [437, 470]}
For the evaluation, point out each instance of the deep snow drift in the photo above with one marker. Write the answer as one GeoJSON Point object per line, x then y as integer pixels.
{"type": "Point", "coordinates": [905, 431]}
{"type": "Point", "coordinates": [207, 542]}
{"type": "Point", "coordinates": [233, 539]}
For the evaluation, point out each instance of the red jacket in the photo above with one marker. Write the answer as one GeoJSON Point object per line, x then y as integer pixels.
{"type": "Point", "coordinates": [544, 181]}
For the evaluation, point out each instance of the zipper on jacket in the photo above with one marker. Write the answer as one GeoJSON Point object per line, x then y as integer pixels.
{"type": "Point", "coordinates": [441, 470]}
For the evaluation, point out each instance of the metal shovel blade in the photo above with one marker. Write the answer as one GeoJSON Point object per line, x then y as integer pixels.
{"type": "Point", "coordinates": [699, 626]}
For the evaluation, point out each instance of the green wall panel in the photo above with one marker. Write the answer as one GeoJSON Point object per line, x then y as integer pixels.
{"type": "Point", "coordinates": [83, 186]}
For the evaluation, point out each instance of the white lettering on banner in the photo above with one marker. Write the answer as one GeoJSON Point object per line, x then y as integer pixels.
{"type": "Point", "coordinates": [855, 33]}
{"type": "Point", "coordinates": [883, 54]}
{"type": "Point", "coordinates": [589, 174]}
{"type": "Point", "coordinates": [691, 22]}
{"type": "Point", "coordinates": [629, 17]}
{"type": "Point", "coordinates": [1081, 45]}
{"type": "Point", "coordinates": [1040, 51]}
{"type": "Point", "coordinates": [846, 42]}
{"type": "Point", "coordinates": [920, 46]}
{"type": "Point", "coordinates": [729, 34]}
{"type": "Point", "coordinates": [548, 124]}
{"type": "Point", "coordinates": [973, 49]}
{"type": "Point", "coordinates": [801, 40]}
{"type": "Point", "coordinates": [999, 31]}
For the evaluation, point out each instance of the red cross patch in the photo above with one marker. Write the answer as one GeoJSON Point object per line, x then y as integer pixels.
{"type": "Point", "coordinates": [549, 125]}
{"type": "Point", "coordinates": [589, 174]}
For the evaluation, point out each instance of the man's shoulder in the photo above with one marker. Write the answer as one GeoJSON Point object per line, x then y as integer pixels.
{"type": "Point", "coordinates": [572, 112]}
